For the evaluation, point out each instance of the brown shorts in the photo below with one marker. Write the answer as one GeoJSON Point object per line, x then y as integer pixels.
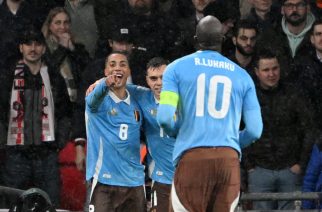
{"type": "Point", "coordinates": [107, 198]}
{"type": "Point", "coordinates": [206, 179]}
{"type": "Point", "coordinates": [160, 195]}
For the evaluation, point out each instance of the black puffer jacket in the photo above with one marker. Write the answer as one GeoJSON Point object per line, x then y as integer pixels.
{"type": "Point", "coordinates": [287, 134]}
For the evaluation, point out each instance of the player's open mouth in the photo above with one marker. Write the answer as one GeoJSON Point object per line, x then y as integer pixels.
{"type": "Point", "coordinates": [120, 76]}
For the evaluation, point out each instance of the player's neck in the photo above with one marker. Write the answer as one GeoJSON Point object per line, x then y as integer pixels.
{"type": "Point", "coordinates": [120, 92]}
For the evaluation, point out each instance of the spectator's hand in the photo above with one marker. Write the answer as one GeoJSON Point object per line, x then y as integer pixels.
{"type": "Point", "coordinates": [296, 169]}
{"type": "Point", "coordinates": [80, 158]}
{"type": "Point", "coordinates": [65, 40]}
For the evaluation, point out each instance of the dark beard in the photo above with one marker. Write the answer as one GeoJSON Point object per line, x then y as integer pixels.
{"type": "Point", "coordinates": [295, 22]}
{"type": "Point", "coordinates": [141, 10]}
{"type": "Point", "coordinates": [242, 51]}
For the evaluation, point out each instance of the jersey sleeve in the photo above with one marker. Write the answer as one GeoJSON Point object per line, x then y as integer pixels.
{"type": "Point", "coordinates": [168, 101]}
{"type": "Point", "coordinates": [95, 98]}
{"type": "Point", "coordinates": [252, 118]}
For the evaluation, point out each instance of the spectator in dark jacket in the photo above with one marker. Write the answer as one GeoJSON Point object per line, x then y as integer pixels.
{"type": "Point", "coordinates": [36, 115]}
{"type": "Point", "coordinates": [15, 17]}
{"type": "Point", "coordinates": [264, 15]}
{"type": "Point", "coordinates": [275, 163]}
{"type": "Point", "coordinates": [291, 38]}
{"type": "Point", "coordinates": [310, 71]}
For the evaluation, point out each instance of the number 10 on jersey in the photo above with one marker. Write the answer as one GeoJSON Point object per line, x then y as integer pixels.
{"type": "Point", "coordinates": [210, 96]}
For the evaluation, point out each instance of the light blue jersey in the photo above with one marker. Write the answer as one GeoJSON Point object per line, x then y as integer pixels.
{"type": "Point", "coordinates": [159, 144]}
{"type": "Point", "coordinates": [212, 93]}
{"type": "Point", "coordinates": [113, 132]}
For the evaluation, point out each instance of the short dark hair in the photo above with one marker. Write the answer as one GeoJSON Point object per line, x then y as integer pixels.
{"type": "Point", "coordinates": [265, 53]}
{"type": "Point", "coordinates": [156, 62]}
{"type": "Point", "coordinates": [244, 24]}
{"type": "Point", "coordinates": [118, 52]}
{"type": "Point", "coordinates": [318, 21]}
{"type": "Point", "coordinates": [30, 34]}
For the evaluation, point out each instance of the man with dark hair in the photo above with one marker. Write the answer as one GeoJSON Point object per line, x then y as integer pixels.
{"type": "Point", "coordinates": [113, 125]}
{"type": "Point", "coordinates": [36, 114]}
{"type": "Point", "coordinates": [244, 39]}
{"type": "Point", "coordinates": [291, 39]}
{"type": "Point", "coordinates": [210, 93]}
{"type": "Point", "coordinates": [160, 145]}
{"type": "Point", "coordinates": [275, 163]}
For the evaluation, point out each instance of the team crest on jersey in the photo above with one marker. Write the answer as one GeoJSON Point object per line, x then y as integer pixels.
{"type": "Point", "coordinates": [137, 115]}
{"type": "Point", "coordinates": [113, 112]}
{"type": "Point", "coordinates": [153, 112]}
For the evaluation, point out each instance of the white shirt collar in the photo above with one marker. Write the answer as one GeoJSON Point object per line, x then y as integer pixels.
{"type": "Point", "coordinates": [318, 56]}
{"type": "Point", "coordinates": [127, 100]}
{"type": "Point", "coordinates": [156, 100]}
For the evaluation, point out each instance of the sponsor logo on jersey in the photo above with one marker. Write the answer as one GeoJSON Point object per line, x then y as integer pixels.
{"type": "Point", "coordinates": [113, 112]}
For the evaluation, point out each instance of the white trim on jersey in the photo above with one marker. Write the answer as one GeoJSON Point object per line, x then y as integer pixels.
{"type": "Point", "coordinates": [176, 204]}
{"type": "Point", "coordinates": [234, 203]}
{"type": "Point", "coordinates": [98, 167]}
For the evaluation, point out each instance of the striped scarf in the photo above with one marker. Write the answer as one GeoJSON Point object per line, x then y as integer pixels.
{"type": "Point", "coordinates": [16, 121]}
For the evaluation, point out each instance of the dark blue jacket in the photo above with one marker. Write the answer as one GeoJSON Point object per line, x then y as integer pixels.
{"type": "Point", "coordinates": [313, 177]}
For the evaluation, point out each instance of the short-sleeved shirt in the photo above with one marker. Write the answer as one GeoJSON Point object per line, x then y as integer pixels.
{"type": "Point", "coordinates": [113, 133]}
{"type": "Point", "coordinates": [213, 92]}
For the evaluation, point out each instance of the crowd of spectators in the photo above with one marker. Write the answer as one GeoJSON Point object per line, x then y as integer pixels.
{"type": "Point", "coordinates": [79, 34]}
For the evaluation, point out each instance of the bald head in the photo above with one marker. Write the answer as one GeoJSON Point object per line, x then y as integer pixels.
{"type": "Point", "coordinates": [209, 33]}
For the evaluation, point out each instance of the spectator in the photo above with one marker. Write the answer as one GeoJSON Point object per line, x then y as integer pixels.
{"type": "Point", "coordinates": [208, 139]}
{"type": "Point", "coordinates": [83, 25]}
{"type": "Point", "coordinates": [309, 69]}
{"type": "Point", "coordinates": [68, 59]}
{"type": "Point", "coordinates": [264, 15]}
{"type": "Point", "coordinates": [39, 115]}
{"type": "Point", "coordinates": [15, 17]}
{"type": "Point", "coordinates": [113, 148]}
{"type": "Point", "coordinates": [292, 38]}
{"type": "Point", "coordinates": [276, 162]}
{"type": "Point", "coordinates": [225, 11]}
{"type": "Point", "coordinates": [244, 39]}
{"type": "Point", "coordinates": [104, 10]}
{"type": "Point", "coordinates": [63, 53]}
{"type": "Point", "coordinates": [228, 13]}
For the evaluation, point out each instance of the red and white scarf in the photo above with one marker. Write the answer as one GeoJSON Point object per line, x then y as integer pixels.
{"type": "Point", "coordinates": [16, 121]}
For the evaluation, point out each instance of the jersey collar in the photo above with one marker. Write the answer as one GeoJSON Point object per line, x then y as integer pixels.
{"type": "Point", "coordinates": [118, 100]}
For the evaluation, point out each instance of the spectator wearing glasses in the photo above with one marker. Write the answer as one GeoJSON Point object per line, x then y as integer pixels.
{"type": "Point", "coordinates": [292, 38]}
